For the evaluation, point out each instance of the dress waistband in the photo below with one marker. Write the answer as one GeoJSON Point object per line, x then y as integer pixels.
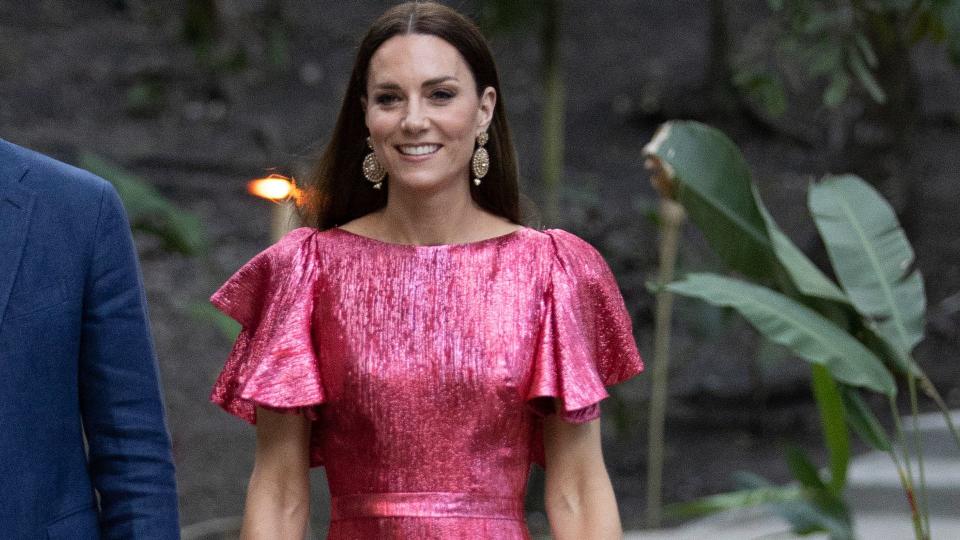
{"type": "Point", "coordinates": [425, 504]}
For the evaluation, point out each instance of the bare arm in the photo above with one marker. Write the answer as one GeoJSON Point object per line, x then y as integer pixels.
{"type": "Point", "coordinates": [579, 497]}
{"type": "Point", "coordinates": [278, 497]}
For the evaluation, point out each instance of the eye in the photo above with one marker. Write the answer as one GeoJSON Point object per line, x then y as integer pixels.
{"type": "Point", "coordinates": [386, 99]}
{"type": "Point", "coordinates": [443, 95]}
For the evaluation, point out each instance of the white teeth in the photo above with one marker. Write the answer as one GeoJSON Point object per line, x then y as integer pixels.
{"type": "Point", "coordinates": [418, 150]}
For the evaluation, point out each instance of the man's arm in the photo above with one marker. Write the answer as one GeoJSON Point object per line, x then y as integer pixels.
{"type": "Point", "coordinates": [130, 458]}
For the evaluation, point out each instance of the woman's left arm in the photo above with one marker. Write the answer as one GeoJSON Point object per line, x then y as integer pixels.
{"type": "Point", "coordinates": [579, 497]}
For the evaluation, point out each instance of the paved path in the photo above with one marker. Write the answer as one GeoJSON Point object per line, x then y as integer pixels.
{"type": "Point", "coordinates": [874, 494]}
{"type": "Point", "coordinates": [747, 525]}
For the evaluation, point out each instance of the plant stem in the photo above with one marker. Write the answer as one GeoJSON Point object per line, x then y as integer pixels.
{"type": "Point", "coordinates": [905, 471]}
{"type": "Point", "coordinates": [553, 111]}
{"type": "Point", "coordinates": [918, 448]}
{"type": "Point", "coordinates": [931, 392]}
{"type": "Point", "coordinates": [672, 216]}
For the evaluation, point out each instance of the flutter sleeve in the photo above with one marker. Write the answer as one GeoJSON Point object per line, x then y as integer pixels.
{"type": "Point", "coordinates": [586, 337]}
{"type": "Point", "coordinates": [273, 363]}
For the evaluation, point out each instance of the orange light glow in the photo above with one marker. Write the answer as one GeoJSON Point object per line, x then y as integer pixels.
{"type": "Point", "coordinates": [274, 187]}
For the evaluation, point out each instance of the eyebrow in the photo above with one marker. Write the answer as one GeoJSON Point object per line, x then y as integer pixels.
{"type": "Point", "coordinates": [430, 82]}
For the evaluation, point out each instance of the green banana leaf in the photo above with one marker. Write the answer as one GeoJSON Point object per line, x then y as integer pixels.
{"type": "Point", "coordinates": [833, 419]}
{"type": "Point", "coordinates": [805, 275]}
{"type": "Point", "coordinates": [898, 361]}
{"type": "Point", "coordinates": [822, 509]}
{"type": "Point", "coordinates": [713, 184]}
{"type": "Point", "coordinates": [807, 508]}
{"type": "Point", "coordinates": [863, 421]}
{"type": "Point", "coordinates": [733, 500]}
{"type": "Point", "coordinates": [789, 323]}
{"type": "Point", "coordinates": [871, 256]}
{"type": "Point", "coordinates": [205, 313]}
{"type": "Point", "coordinates": [148, 210]}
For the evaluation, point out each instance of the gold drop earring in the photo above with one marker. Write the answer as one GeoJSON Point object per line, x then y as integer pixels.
{"type": "Point", "coordinates": [372, 169]}
{"type": "Point", "coordinates": [480, 164]}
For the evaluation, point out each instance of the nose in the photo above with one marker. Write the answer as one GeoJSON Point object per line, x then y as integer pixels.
{"type": "Point", "coordinates": [414, 120]}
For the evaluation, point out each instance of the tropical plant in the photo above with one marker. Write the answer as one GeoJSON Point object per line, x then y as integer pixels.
{"type": "Point", "coordinates": [849, 43]}
{"type": "Point", "coordinates": [148, 210]}
{"type": "Point", "coordinates": [858, 336]}
{"type": "Point", "coordinates": [153, 214]}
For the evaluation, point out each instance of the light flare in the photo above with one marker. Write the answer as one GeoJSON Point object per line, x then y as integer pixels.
{"type": "Point", "coordinates": [276, 188]}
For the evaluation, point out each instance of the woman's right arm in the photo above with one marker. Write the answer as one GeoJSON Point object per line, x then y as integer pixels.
{"type": "Point", "coordinates": [278, 497]}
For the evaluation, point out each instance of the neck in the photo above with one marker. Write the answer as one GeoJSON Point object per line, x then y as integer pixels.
{"type": "Point", "coordinates": [447, 216]}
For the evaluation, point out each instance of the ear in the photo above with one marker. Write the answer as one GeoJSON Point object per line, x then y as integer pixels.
{"type": "Point", "coordinates": [488, 103]}
{"type": "Point", "coordinates": [363, 107]}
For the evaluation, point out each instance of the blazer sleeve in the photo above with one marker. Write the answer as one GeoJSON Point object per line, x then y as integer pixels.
{"type": "Point", "coordinates": [129, 447]}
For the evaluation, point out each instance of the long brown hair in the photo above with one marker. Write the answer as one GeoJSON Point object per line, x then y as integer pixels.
{"type": "Point", "coordinates": [337, 192]}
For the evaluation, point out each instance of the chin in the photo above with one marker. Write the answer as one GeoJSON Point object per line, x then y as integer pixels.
{"type": "Point", "coordinates": [420, 181]}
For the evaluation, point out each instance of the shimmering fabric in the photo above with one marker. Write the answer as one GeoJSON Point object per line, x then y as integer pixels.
{"type": "Point", "coordinates": [426, 370]}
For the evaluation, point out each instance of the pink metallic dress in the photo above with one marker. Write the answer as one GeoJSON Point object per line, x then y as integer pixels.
{"type": "Point", "coordinates": [426, 370]}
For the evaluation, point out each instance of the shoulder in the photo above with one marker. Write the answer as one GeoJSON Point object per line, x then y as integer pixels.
{"type": "Point", "coordinates": [73, 211]}
{"type": "Point", "coordinates": [63, 190]}
{"type": "Point", "coordinates": [46, 175]}
{"type": "Point", "coordinates": [575, 256]}
{"type": "Point", "coordinates": [288, 266]}
{"type": "Point", "coordinates": [297, 245]}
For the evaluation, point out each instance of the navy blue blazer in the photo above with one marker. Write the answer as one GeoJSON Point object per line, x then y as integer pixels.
{"type": "Point", "coordinates": [84, 449]}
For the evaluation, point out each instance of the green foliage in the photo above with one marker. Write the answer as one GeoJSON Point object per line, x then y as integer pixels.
{"type": "Point", "coordinates": [805, 275]}
{"type": "Point", "coordinates": [852, 337]}
{"type": "Point", "coordinates": [232, 39]}
{"type": "Point", "coordinates": [863, 421]}
{"type": "Point", "coordinates": [278, 46]}
{"type": "Point", "coordinates": [725, 210]}
{"type": "Point", "coordinates": [766, 87]}
{"type": "Point", "coordinates": [795, 326]}
{"type": "Point", "coordinates": [148, 210]}
{"type": "Point", "coordinates": [809, 507]}
{"type": "Point", "coordinates": [200, 22]}
{"type": "Point", "coordinates": [872, 257]}
{"type": "Point", "coordinates": [734, 500]}
{"type": "Point", "coordinates": [835, 434]}
{"type": "Point", "coordinates": [838, 89]}
{"type": "Point", "coordinates": [838, 41]}
{"type": "Point", "coordinates": [863, 72]}
{"type": "Point", "coordinates": [205, 313]}
{"type": "Point", "coordinates": [821, 509]}
{"type": "Point", "coordinates": [501, 16]}
{"type": "Point", "coordinates": [939, 20]}
{"type": "Point", "coordinates": [146, 98]}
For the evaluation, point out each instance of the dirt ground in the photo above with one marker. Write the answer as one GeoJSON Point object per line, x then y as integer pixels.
{"type": "Point", "coordinates": [66, 74]}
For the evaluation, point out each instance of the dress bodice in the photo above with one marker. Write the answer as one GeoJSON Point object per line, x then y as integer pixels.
{"type": "Point", "coordinates": [426, 370]}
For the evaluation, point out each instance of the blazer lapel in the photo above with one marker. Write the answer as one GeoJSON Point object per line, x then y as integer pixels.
{"type": "Point", "coordinates": [16, 206]}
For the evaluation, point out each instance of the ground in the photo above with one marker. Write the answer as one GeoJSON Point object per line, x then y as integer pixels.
{"type": "Point", "coordinates": [69, 73]}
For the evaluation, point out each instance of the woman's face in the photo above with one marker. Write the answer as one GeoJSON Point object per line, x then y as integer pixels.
{"type": "Point", "coordinates": [423, 111]}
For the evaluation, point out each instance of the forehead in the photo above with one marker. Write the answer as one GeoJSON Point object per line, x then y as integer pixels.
{"type": "Point", "coordinates": [414, 58]}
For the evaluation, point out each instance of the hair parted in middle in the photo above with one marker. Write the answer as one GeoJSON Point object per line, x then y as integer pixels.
{"type": "Point", "coordinates": [337, 192]}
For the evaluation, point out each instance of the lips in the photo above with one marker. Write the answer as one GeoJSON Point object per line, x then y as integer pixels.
{"type": "Point", "coordinates": [418, 149]}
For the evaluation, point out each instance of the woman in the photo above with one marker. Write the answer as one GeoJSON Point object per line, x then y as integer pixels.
{"type": "Point", "coordinates": [418, 341]}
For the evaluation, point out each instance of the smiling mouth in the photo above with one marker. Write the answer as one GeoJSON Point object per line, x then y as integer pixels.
{"type": "Point", "coordinates": [418, 149]}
